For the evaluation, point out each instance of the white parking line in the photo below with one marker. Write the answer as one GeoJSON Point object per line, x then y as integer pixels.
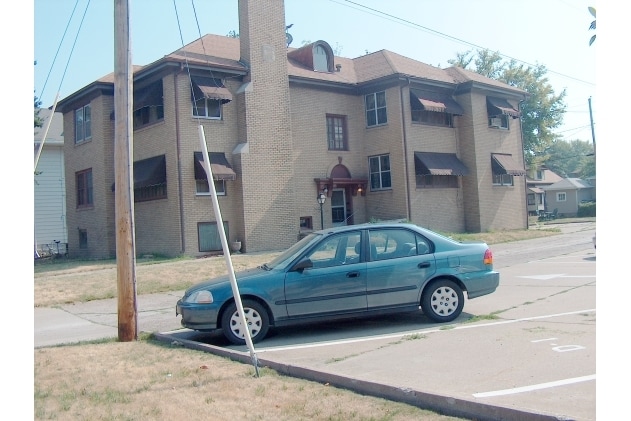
{"type": "Point", "coordinates": [534, 387]}
{"type": "Point", "coordinates": [417, 332]}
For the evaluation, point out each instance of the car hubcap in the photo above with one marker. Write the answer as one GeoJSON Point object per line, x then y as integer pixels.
{"type": "Point", "coordinates": [253, 320]}
{"type": "Point", "coordinates": [444, 301]}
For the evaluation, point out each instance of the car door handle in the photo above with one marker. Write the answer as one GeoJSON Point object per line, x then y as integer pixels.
{"type": "Point", "coordinates": [352, 274]}
{"type": "Point", "coordinates": [423, 265]}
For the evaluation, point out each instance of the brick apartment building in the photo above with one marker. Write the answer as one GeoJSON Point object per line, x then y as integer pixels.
{"type": "Point", "coordinates": [382, 136]}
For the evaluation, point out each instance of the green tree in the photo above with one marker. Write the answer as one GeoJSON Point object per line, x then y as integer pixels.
{"type": "Point", "coordinates": [571, 159]}
{"type": "Point", "coordinates": [542, 112]}
{"type": "Point", "coordinates": [592, 26]}
{"type": "Point", "coordinates": [39, 122]}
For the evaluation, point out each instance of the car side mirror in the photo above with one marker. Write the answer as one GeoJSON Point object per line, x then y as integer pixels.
{"type": "Point", "coordinates": [303, 264]}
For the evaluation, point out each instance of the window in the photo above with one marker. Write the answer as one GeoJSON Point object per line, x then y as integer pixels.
{"type": "Point", "coordinates": [207, 108]}
{"type": "Point", "coordinates": [540, 175]}
{"type": "Point", "coordinates": [83, 238]}
{"type": "Point", "coordinates": [202, 188]}
{"type": "Point", "coordinates": [504, 168]}
{"type": "Point", "coordinates": [499, 110]}
{"type": "Point", "coordinates": [498, 122]}
{"type": "Point", "coordinates": [531, 199]}
{"type": "Point", "coordinates": [148, 105]}
{"type": "Point", "coordinates": [502, 180]}
{"type": "Point", "coordinates": [320, 59]}
{"type": "Point", "coordinates": [438, 170]}
{"type": "Point", "coordinates": [306, 223]}
{"type": "Point", "coordinates": [207, 97]}
{"type": "Point", "coordinates": [433, 108]}
{"type": "Point", "coordinates": [376, 109]}
{"type": "Point", "coordinates": [83, 124]}
{"type": "Point", "coordinates": [208, 236]}
{"type": "Point", "coordinates": [561, 197]}
{"type": "Point", "coordinates": [396, 243]}
{"type": "Point", "coordinates": [432, 118]}
{"type": "Point", "coordinates": [380, 172]}
{"type": "Point", "coordinates": [342, 249]}
{"type": "Point", "coordinates": [429, 181]}
{"type": "Point", "coordinates": [83, 181]}
{"type": "Point", "coordinates": [150, 179]}
{"type": "Point", "coordinates": [336, 132]}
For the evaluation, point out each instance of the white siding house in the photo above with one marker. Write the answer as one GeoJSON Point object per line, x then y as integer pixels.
{"type": "Point", "coordinates": [49, 185]}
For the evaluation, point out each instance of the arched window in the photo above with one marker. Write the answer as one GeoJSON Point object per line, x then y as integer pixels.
{"type": "Point", "coordinates": [320, 59]}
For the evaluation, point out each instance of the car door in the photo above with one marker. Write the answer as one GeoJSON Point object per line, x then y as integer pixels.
{"type": "Point", "coordinates": [400, 262]}
{"type": "Point", "coordinates": [335, 284]}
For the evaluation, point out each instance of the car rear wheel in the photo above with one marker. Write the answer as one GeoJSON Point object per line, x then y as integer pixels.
{"type": "Point", "coordinates": [442, 301]}
{"type": "Point", "coordinates": [257, 321]}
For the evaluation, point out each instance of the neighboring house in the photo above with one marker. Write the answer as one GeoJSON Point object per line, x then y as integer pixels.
{"type": "Point", "coordinates": [536, 195]}
{"type": "Point", "coordinates": [566, 194]}
{"type": "Point", "coordinates": [50, 185]}
{"type": "Point", "coordinates": [382, 136]}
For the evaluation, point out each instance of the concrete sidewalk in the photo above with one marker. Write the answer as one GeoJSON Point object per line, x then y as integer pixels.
{"type": "Point", "coordinates": [98, 319]}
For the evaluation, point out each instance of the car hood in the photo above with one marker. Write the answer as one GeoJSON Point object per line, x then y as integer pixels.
{"type": "Point", "coordinates": [242, 276]}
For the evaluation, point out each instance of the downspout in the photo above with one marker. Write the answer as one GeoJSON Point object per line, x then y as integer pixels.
{"type": "Point", "coordinates": [179, 160]}
{"type": "Point", "coordinates": [405, 154]}
{"type": "Point", "coordinates": [523, 160]}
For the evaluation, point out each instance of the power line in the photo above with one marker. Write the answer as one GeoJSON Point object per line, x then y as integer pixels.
{"type": "Point", "coordinates": [443, 35]}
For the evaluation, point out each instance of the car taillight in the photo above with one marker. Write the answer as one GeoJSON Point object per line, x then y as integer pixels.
{"type": "Point", "coordinates": [488, 257]}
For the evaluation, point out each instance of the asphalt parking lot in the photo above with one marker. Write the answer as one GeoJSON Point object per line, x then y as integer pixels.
{"type": "Point", "coordinates": [535, 358]}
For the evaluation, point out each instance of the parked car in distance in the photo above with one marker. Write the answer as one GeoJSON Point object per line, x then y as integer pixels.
{"type": "Point", "coordinates": [346, 272]}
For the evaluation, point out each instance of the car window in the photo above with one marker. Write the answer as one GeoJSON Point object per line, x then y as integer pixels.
{"type": "Point", "coordinates": [391, 244]}
{"type": "Point", "coordinates": [336, 250]}
{"type": "Point", "coordinates": [423, 246]}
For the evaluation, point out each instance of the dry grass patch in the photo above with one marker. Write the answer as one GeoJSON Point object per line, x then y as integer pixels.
{"type": "Point", "coordinates": [147, 380]}
{"type": "Point", "coordinates": [69, 282]}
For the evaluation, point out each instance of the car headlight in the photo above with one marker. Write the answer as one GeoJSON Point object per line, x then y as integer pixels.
{"type": "Point", "coordinates": [200, 297]}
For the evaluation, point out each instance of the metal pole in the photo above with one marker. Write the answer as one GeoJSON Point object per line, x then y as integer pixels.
{"type": "Point", "coordinates": [591, 120]}
{"type": "Point", "coordinates": [226, 249]}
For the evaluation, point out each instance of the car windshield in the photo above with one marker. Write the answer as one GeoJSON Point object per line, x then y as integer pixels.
{"type": "Point", "coordinates": [288, 256]}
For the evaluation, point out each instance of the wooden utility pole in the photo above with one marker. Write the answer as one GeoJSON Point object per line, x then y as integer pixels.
{"type": "Point", "coordinates": [123, 168]}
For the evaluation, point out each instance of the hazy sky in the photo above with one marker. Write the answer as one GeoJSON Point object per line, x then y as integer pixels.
{"type": "Point", "coordinates": [74, 49]}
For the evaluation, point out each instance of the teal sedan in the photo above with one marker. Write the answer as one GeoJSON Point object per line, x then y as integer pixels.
{"type": "Point", "coordinates": [346, 272]}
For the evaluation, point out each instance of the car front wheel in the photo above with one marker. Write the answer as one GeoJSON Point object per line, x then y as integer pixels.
{"type": "Point", "coordinates": [257, 321]}
{"type": "Point", "coordinates": [442, 301]}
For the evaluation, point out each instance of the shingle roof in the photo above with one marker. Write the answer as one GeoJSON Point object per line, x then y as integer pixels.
{"type": "Point", "coordinates": [569, 183]}
{"type": "Point", "coordinates": [223, 52]}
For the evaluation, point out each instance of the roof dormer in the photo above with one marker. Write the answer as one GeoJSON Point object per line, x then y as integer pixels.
{"type": "Point", "coordinates": [317, 56]}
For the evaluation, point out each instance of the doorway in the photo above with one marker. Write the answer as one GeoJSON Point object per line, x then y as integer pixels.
{"type": "Point", "coordinates": [338, 207]}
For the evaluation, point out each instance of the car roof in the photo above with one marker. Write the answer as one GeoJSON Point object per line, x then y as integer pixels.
{"type": "Point", "coordinates": [367, 225]}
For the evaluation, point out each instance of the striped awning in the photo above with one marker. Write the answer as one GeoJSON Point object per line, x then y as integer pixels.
{"type": "Point", "coordinates": [500, 106]}
{"type": "Point", "coordinates": [219, 166]}
{"type": "Point", "coordinates": [210, 88]}
{"type": "Point", "coordinates": [505, 164]}
{"type": "Point", "coordinates": [434, 101]}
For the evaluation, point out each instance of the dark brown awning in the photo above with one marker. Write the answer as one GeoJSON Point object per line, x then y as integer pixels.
{"type": "Point", "coordinates": [505, 164]}
{"type": "Point", "coordinates": [499, 106]}
{"type": "Point", "coordinates": [150, 172]}
{"type": "Point", "coordinates": [433, 101]}
{"type": "Point", "coordinates": [211, 89]}
{"type": "Point", "coordinates": [435, 163]}
{"type": "Point", "coordinates": [148, 96]}
{"type": "Point", "coordinates": [219, 166]}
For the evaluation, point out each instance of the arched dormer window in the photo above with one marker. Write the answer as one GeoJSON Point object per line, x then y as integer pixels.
{"type": "Point", "coordinates": [320, 59]}
{"type": "Point", "coordinates": [317, 56]}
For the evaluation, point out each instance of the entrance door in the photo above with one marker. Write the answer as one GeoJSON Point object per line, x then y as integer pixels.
{"type": "Point", "coordinates": [338, 207]}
